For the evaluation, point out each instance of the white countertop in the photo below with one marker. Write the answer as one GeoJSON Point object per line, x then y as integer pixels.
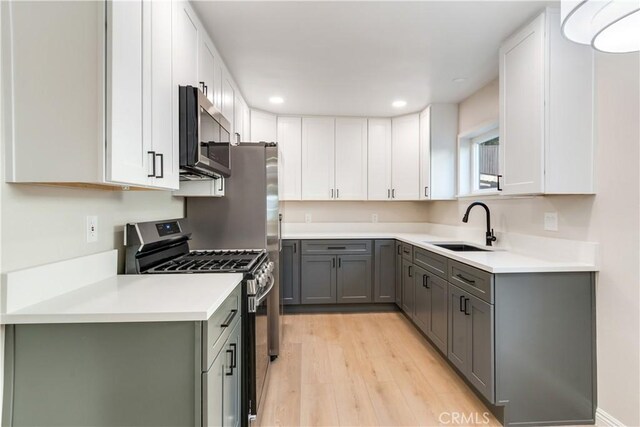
{"type": "Point", "coordinates": [132, 298]}
{"type": "Point", "coordinates": [496, 261]}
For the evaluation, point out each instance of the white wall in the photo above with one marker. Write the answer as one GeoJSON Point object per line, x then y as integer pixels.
{"type": "Point", "coordinates": [335, 211]}
{"type": "Point", "coordinates": [610, 218]}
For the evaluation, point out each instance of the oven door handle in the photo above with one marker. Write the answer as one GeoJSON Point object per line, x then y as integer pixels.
{"type": "Point", "coordinates": [264, 294]}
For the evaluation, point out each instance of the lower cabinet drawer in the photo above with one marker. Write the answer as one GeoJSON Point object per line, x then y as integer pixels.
{"type": "Point", "coordinates": [336, 247]}
{"type": "Point", "coordinates": [213, 330]}
{"type": "Point", "coordinates": [476, 282]}
{"type": "Point", "coordinates": [436, 264]}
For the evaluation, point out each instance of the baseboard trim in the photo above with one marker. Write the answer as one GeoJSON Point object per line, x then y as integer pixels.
{"type": "Point", "coordinates": [341, 308]}
{"type": "Point", "coordinates": [604, 419]}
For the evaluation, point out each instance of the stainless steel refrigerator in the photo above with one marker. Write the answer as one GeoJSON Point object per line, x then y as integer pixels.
{"type": "Point", "coordinates": [247, 217]}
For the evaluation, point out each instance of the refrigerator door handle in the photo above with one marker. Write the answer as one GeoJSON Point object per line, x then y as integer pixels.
{"type": "Point", "coordinates": [280, 232]}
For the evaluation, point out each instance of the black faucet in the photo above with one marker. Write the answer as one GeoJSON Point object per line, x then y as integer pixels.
{"type": "Point", "coordinates": [490, 236]}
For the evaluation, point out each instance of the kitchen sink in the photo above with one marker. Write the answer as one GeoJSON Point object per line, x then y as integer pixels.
{"type": "Point", "coordinates": [460, 247]}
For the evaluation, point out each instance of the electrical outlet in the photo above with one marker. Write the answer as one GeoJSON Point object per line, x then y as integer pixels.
{"type": "Point", "coordinates": [307, 217]}
{"type": "Point", "coordinates": [374, 217]}
{"type": "Point", "coordinates": [92, 229]}
{"type": "Point", "coordinates": [551, 221]}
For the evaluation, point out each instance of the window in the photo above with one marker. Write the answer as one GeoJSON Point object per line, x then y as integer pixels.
{"type": "Point", "coordinates": [486, 161]}
{"type": "Point", "coordinates": [479, 160]}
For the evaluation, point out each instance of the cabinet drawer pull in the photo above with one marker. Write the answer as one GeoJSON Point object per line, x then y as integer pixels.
{"type": "Point", "coordinates": [464, 279]}
{"type": "Point", "coordinates": [336, 248]}
{"type": "Point", "coordinates": [153, 162]}
{"type": "Point", "coordinates": [161, 156]}
{"type": "Point", "coordinates": [461, 302]}
{"type": "Point", "coordinates": [235, 355]}
{"type": "Point", "coordinates": [229, 318]}
{"type": "Point", "coordinates": [466, 305]}
{"type": "Point", "coordinates": [230, 372]}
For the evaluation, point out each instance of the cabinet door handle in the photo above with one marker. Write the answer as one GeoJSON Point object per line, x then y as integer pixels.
{"type": "Point", "coordinates": [161, 156]}
{"type": "Point", "coordinates": [226, 322]}
{"type": "Point", "coordinates": [295, 247]}
{"type": "Point", "coordinates": [333, 263]}
{"type": "Point", "coordinates": [153, 162]}
{"type": "Point", "coordinates": [339, 262]}
{"type": "Point", "coordinates": [499, 188]}
{"type": "Point", "coordinates": [393, 193]}
{"type": "Point", "coordinates": [464, 279]}
{"type": "Point", "coordinates": [235, 355]}
{"type": "Point", "coordinates": [461, 302]}
{"type": "Point", "coordinates": [221, 184]}
{"type": "Point", "coordinates": [425, 280]}
{"type": "Point", "coordinates": [332, 193]}
{"type": "Point", "coordinates": [410, 275]}
{"type": "Point", "coordinates": [399, 249]}
{"type": "Point", "coordinates": [230, 372]}
{"type": "Point", "coordinates": [425, 192]}
{"type": "Point", "coordinates": [337, 193]}
{"type": "Point", "coordinates": [466, 305]}
{"type": "Point", "coordinates": [388, 193]}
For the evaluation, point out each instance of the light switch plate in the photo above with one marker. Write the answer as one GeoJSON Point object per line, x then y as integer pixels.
{"type": "Point", "coordinates": [551, 221]}
{"type": "Point", "coordinates": [374, 217]}
{"type": "Point", "coordinates": [307, 217]}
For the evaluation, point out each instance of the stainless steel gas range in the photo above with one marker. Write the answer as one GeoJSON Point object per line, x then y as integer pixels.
{"type": "Point", "coordinates": [162, 247]}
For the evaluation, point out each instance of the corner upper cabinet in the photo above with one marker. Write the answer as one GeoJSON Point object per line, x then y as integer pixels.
{"type": "Point", "coordinates": [118, 137]}
{"type": "Point", "coordinates": [290, 158]}
{"type": "Point", "coordinates": [405, 157]}
{"type": "Point", "coordinates": [263, 126]}
{"type": "Point", "coordinates": [318, 165]}
{"type": "Point", "coordinates": [546, 111]}
{"type": "Point", "coordinates": [438, 148]}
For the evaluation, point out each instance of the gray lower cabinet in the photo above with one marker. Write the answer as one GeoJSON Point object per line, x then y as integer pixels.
{"type": "Point", "coordinates": [421, 299]}
{"type": "Point", "coordinates": [398, 268]}
{"type": "Point", "coordinates": [222, 384]}
{"type": "Point", "coordinates": [471, 347]}
{"type": "Point", "coordinates": [318, 279]}
{"type": "Point", "coordinates": [384, 281]}
{"type": "Point", "coordinates": [290, 272]}
{"type": "Point", "coordinates": [354, 279]}
{"type": "Point", "coordinates": [408, 287]}
{"type": "Point", "coordinates": [183, 373]}
{"type": "Point", "coordinates": [437, 314]}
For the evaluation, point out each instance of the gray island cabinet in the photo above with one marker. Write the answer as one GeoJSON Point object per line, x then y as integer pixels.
{"type": "Point", "coordinates": [165, 373]}
{"type": "Point", "coordinates": [524, 342]}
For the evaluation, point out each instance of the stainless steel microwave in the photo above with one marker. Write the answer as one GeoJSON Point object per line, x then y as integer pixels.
{"type": "Point", "coordinates": [205, 140]}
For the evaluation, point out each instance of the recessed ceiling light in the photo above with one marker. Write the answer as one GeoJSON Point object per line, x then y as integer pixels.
{"type": "Point", "coordinates": [276, 100]}
{"type": "Point", "coordinates": [459, 80]}
{"type": "Point", "coordinates": [399, 104]}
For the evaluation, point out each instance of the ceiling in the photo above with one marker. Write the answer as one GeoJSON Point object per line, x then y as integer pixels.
{"type": "Point", "coordinates": [355, 58]}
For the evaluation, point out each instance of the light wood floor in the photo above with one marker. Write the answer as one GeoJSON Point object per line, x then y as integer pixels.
{"type": "Point", "coordinates": [363, 370]}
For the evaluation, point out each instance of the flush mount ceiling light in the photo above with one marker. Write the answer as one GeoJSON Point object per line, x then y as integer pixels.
{"type": "Point", "coordinates": [276, 100]}
{"type": "Point", "coordinates": [399, 104]}
{"type": "Point", "coordinates": [608, 25]}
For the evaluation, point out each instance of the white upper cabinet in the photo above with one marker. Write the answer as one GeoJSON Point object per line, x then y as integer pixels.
{"type": "Point", "coordinates": [130, 158]}
{"type": "Point", "coordinates": [207, 66]}
{"type": "Point", "coordinates": [350, 159]}
{"type": "Point", "coordinates": [546, 111]}
{"type": "Point", "coordinates": [238, 119]}
{"type": "Point", "coordinates": [188, 48]}
{"type": "Point", "coordinates": [290, 158]}
{"type": "Point", "coordinates": [405, 157]}
{"type": "Point", "coordinates": [263, 126]}
{"type": "Point", "coordinates": [228, 98]}
{"type": "Point", "coordinates": [379, 159]}
{"type": "Point", "coordinates": [318, 164]}
{"type": "Point", "coordinates": [438, 141]}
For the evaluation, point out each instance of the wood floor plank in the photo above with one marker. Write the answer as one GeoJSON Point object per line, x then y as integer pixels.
{"type": "Point", "coordinates": [318, 405]}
